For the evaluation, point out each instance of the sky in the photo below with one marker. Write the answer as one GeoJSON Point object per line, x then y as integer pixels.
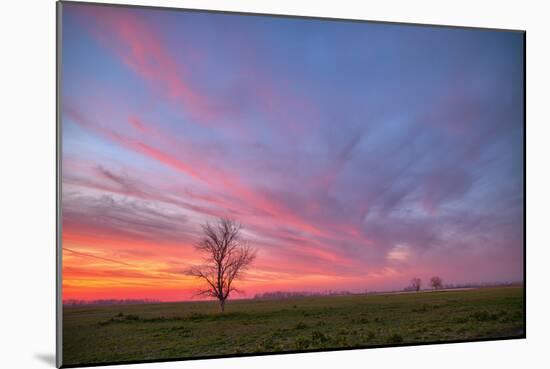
{"type": "Point", "coordinates": [356, 155]}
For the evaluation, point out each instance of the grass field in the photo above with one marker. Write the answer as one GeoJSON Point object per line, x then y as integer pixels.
{"type": "Point", "coordinates": [191, 329]}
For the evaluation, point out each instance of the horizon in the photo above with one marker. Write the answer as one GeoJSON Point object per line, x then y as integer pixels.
{"type": "Point", "coordinates": [355, 155]}
{"type": "Point", "coordinates": [299, 294]}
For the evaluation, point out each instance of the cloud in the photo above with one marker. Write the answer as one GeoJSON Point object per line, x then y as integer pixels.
{"type": "Point", "coordinates": [143, 49]}
{"type": "Point", "coordinates": [400, 253]}
{"type": "Point", "coordinates": [95, 256]}
{"type": "Point", "coordinates": [356, 168]}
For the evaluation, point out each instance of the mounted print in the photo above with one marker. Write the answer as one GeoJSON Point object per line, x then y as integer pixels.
{"type": "Point", "coordinates": [235, 184]}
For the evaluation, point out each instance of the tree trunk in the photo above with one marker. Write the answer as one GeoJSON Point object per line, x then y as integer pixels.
{"type": "Point", "coordinates": [222, 306]}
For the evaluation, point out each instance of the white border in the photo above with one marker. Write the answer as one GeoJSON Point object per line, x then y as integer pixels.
{"type": "Point", "coordinates": [28, 182]}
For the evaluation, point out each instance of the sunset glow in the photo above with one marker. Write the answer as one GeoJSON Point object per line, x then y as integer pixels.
{"type": "Point", "coordinates": [355, 155]}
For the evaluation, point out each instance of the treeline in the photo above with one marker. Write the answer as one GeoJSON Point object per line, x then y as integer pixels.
{"type": "Point", "coordinates": [482, 285]}
{"type": "Point", "coordinates": [282, 295]}
{"type": "Point", "coordinates": [436, 283]}
{"type": "Point", "coordinates": [73, 302]}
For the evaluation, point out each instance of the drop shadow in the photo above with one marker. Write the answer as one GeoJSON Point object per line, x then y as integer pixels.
{"type": "Point", "coordinates": [46, 358]}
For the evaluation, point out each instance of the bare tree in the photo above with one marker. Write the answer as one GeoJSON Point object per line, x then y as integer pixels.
{"type": "Point", "coordinates": [226, 257]}
{"type": "Point", "coordinates": [416, 283]}
{"type": "Point", "coordinates": [436, 282]}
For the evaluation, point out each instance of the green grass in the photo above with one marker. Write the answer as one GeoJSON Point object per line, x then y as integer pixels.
{"type": "Point", "coordinates": [185, 330]}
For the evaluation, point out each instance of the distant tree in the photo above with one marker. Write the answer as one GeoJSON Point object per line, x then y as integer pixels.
{"type": "Point", "coordinates": [226, 257]}
{"type": "Point", "coordinates": [436, 282]}
{"type": "Point", "coordinates": [416, 283]}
